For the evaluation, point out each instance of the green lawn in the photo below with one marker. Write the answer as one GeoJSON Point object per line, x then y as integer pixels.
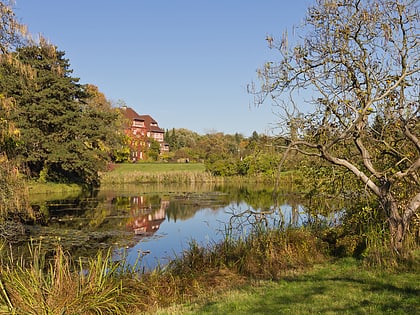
{"type": "Point", "coordinates": [158, 167]}
{"type": "Point", "coordinates": [340, 288]}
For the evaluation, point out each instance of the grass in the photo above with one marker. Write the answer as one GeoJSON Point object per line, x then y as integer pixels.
{"type": "Point", "coordinates": [341, 287]}
{"type": "Point", "coordinates": [53, 285]}
{"type": "Point", "coordinates": [138, 173]}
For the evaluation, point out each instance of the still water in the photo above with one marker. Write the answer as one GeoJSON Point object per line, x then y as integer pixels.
{"type": "Point", "coordinates": [156, 223]}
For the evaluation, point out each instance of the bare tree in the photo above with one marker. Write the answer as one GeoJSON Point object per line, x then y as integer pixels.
{"type": "Point", "coordinates": [348, 92]}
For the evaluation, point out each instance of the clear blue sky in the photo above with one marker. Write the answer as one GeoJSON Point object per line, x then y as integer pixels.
{"type": "Point", "coordinates": [184, 62]}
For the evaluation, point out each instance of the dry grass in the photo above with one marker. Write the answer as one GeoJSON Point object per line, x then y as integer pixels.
{"type": "Point", "coordinates": [156, 173]}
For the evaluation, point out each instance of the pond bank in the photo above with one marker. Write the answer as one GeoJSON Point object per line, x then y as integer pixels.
{"type": "Point", "coordinates": [216, 280]}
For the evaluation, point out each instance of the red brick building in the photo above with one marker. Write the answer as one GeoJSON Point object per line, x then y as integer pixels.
{"type": "Point", "coordinates": [141, 129]}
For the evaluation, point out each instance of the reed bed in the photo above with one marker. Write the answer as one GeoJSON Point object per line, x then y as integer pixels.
{"type": "Point", "coordinates": [174, 173]}
{"type": "Point", "coordinates": [140, 177]}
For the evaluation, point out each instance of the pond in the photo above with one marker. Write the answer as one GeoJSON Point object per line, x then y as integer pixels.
{"type": "Point", "coordinates": [155, 223]}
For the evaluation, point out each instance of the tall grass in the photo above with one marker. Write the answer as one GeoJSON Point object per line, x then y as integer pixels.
{"type": "Point", "coordinates": [140, 177]}
{"type": "Point", "coordinates": [61, 286]}
{"type": "Point", "coordinates": [264, 254]}
{"type": "Point", "coordinates": [173, 173]}
{"type": "Point", "coordinates": [167, 173]}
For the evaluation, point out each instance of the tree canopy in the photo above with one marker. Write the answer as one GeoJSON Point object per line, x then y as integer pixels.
{"type": "Point", "coordinates": [348, 92]}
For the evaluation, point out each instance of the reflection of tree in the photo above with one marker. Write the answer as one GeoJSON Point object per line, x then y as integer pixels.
{"type": "Point", "coordinates": [271, 205]}
{"type": "Point", "coordinates": [261, 196]}
{"type": "Point", "coordinates": [183, 207]}
{"type": "Point", "coordinates": [181, 211]}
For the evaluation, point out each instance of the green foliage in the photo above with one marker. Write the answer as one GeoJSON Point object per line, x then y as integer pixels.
{"type": "Point", "coordinates": [181, 138]}
{"type": "Point", "coordinates": [225, 167]}
{"type": "Point", "coordinates": [260, 163]}
{"type": "Point", "coordinates": [229, 155]}
{"type": "Point", "coordinates": [121, 153]}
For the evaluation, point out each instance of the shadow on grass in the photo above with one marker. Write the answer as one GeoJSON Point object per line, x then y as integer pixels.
{"type": "Point", "coordinates": [339, 291]}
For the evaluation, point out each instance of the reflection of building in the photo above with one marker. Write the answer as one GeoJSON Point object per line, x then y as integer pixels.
{"type": "Point", "coordinates": [148, 223]}
{"type": "Point", "coordinates": [146, 220]}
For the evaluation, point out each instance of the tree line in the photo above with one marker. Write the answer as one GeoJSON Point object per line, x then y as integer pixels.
{"type": "Point", "coordinates": [226, 154]}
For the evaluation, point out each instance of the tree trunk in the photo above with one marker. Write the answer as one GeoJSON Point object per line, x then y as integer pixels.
{"type": "Point", "coordinates": [396, 223]}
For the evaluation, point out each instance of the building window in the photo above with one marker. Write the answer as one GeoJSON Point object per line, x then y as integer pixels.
{"type": "Point", "coordinates": [137, 123]}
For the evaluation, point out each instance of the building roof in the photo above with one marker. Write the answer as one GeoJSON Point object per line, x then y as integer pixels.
{"type": "Point", "coordinates": [151, 124]}
{"type": "Point", "coordinates": [130, 113]}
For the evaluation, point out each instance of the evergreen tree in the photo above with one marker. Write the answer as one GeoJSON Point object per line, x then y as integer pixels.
{"type": "Point", "coordinates": [63, 137]}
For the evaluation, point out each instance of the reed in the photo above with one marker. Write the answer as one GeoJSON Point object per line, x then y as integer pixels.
{"type": "Point", "coordinates": [263, 254]}
{"type": "Point", "coordinates": [174, 173]}
{"type": "Point", "coordinates": [140, 177]}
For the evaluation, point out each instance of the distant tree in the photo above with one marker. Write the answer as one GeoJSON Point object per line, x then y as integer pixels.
{"type": "Point", "coordinates": [153, 150]}
{"type": "Point", "coordinates": [360, 61]}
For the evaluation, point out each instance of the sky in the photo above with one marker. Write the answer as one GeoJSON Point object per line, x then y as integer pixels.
{"type": "Point", "coordinates": [186, 63]}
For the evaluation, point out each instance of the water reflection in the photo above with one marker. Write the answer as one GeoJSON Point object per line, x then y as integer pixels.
{"type": "Point", "coordinates": [144, 220]}
{"type": "Point", "coordinates": [161, 220]}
